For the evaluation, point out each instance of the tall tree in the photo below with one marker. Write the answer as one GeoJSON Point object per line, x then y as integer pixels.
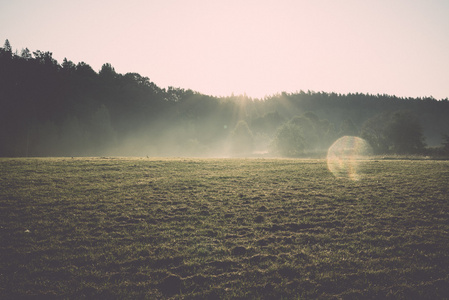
{"type": "Point", "coordinates": [289, 140]}
{"type": "Point", "coordinates": [7, 46]}
{"type": "Point", "coordinates": [107, 72]}
{"type": "Point", "coordinates": [6, 51]}
{"type": "Point", "coordinates": [45, 58]}
{"type": "Point", "coordinates": [398, 132]}
{"type": "Point", "coordinates": [309, 123]}
{"type": "Point", "coordinates": [68, 66]}
{"type": "Point", "coordinates": [373, 131]}
{"type": "Point", "coordinates": [26, 54]}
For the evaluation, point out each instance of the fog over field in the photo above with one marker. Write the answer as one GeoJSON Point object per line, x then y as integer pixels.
{"type": "Point", "coordinates": [233, 79]}
{"type": "Point", "coordinates": [67, 109]}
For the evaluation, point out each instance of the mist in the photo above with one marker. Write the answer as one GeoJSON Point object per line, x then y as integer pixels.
{"type": "Point", "coordinates": [52, 109]}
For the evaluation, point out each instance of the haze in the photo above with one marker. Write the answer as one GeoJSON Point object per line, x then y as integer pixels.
{"type": "Point", "coordinates": [253, 47]}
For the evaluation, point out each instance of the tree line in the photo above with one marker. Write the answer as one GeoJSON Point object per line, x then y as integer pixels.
{"type": "Point", "coordinates": [66, 109]}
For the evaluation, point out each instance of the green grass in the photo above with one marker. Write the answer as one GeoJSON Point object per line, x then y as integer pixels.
{"type": "Point", "coordinates": [222, 228]}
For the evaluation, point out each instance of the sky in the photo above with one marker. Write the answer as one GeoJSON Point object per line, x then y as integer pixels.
{"type": "Point", "coordinates": [261, 48]}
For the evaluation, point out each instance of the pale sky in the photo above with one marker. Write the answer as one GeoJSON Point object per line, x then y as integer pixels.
{"type": "Point", "coordinates": [262, 47]}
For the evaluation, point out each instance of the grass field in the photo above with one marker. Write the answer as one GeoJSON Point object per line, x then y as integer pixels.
{"type": "Point", "coordinates": [135, 228]}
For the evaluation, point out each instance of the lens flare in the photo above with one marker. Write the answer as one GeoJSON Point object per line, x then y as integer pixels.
{"type": "Point", "coordinates": [345, 158]}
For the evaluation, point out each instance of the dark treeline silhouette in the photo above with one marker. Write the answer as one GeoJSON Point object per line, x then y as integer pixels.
{"type": "Point", "coordinates": [67, 109]}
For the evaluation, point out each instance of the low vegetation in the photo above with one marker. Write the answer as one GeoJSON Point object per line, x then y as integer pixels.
{"type": "Point", "coordinates": [222, 228]}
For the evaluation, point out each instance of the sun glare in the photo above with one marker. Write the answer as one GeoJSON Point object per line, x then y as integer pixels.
{"type": "Point", "coordinates": [346, 156]}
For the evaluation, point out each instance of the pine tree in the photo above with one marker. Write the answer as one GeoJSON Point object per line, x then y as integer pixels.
{"type": "Point", "coordinates": [7, 46]}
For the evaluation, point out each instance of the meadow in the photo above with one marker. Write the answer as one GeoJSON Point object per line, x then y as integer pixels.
{"type": "Point", "coordinates": [139, 228]}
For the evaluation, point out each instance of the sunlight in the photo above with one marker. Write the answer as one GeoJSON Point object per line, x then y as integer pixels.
{"type": "Point", "coordinates": [240, 110]}
{"type": "Point", "coordinates": [345, 156]}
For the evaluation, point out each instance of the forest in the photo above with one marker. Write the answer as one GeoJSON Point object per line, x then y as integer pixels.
{"type": "Point", "coordinates": [49, 108]}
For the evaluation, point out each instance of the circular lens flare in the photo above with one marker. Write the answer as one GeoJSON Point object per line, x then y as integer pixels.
{"type": "Point", "coordinates": [346, 156]}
